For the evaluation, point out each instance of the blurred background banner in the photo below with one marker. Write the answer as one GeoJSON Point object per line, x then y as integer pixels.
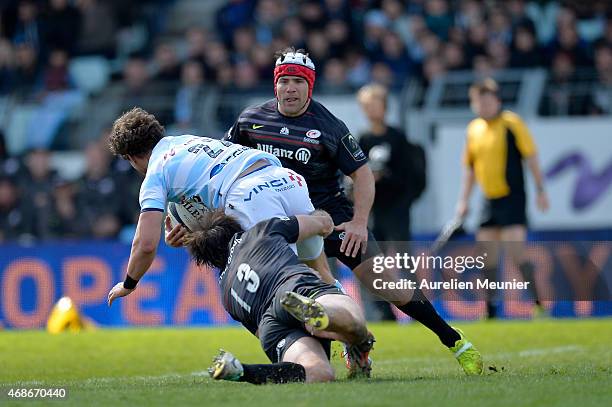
{"type": "Point", "coordinates": [177, 292]}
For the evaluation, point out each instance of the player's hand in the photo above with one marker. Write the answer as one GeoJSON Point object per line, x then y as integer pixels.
{"type": "Point", "coordinates": [356, 237]}
{"type": "Point", "coordinates": [543, 203]}
{"type": "Point", "coordinates": [462, 209]}
{"type": "Point", "coordinates": [327, 223]}
{"type": "Point", "coordinates": [174, 235]}
{"type": "Point", "coordinates": [118, 291]}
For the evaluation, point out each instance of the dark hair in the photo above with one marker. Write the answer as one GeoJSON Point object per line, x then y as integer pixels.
{"type": "Point", "coordinates": [135, 133]}
{"type": "Point", "coordinates": [210, 246]}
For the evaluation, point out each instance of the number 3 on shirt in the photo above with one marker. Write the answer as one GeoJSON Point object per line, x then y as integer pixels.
{"type": "Point", "coordinates": [247, 274]}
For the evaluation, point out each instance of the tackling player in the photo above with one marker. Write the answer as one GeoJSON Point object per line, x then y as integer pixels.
{"type": "Point", "coordinates": [278, 299]}
{"type": "Point", "coordinates": [497, 143]}
{"type": "Point", "coordinates": [310, 140]}
{"type": "Point", "coordinates": [217, 174]}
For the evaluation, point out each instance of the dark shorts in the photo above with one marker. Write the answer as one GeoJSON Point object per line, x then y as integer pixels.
{"type": "Point", "coordinates": [278, 329]}
{"type": "Point", "coordinates": [507, 211]}
{"type": "Point", "coordinates": [341, 211]}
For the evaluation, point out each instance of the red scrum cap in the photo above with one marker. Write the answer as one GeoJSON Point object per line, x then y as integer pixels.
{"type": "Point", "coordinates": [295, 64]}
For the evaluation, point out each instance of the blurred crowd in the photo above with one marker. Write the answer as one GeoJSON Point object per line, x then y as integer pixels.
{"type": "Point", "coordinates": [353, 42]}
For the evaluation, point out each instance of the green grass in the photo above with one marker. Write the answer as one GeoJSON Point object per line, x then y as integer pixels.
{"type": "Point", "coordinates": [545, 363]}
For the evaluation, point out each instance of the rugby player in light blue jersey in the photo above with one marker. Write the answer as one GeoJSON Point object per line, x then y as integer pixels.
{"type": "Point", "coordinates": [218, 174]}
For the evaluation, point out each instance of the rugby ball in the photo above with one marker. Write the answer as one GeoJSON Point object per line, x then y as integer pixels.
{"type": "Point", "coordinates": [188, 213]}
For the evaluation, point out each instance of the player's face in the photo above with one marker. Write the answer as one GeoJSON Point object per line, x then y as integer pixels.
{"type": "Point", "coordinates": [374, 108]}
{"type": "Point", "coordinates": [486, 105]}
{"type": "Point", "coordinates": [138, 163]}
{"type": "Point", "coordinates": [292, 95]}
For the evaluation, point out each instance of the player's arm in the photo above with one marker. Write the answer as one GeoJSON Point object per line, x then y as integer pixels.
{"type": "Point", "coordinates": [527, 148]}
{"type": "Point", "coordinates": [356, 231]}
{"type": "Point", "coordinates": [318, 223]}
{"type": "Point", "coordinates": [144, 249]}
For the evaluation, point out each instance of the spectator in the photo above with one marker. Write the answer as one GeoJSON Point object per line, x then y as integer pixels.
{"type": "Point", "coordinates": [477, 40]}
{"type": "Point", "coordinates": [27, 73]}
{"type": "Point", "coordinates": [262, 59]}
{"type": "Point", "coordinates": [192, 80]}
{"type": "Point", "coordinates": [382, 75]}
{"type": "Point", "coordinates": [62, 20]}
{"type": "Point", "coordinates": [98, 197]}
{"type": "Point", "coordinates": [499, 54]}
{"type": "Point", "coordinates": [469, 13]}
{"type": "Point", "coordinates": [318, 47]}
{"type": "Point", "coordinates": [358, 68]}
{"type": "Point", "coordinates": [245, 76]}
{"type": "Point", "coordinates": [7, 67]}
{"type": "Point", "coordinates": [243, 42]}
{"type": "Point", "coordinates": [338, 10]}
{"type": "Point", "coordinates": [56, 77]}
{"type": "Point", "coordinates": [568, 41]}
{"type": "Point", "coordinates": [376, 24]}
{"type": "Point", "coordinates": [312, 15]}
{"type": "Point", "coordinates": [602, 92]}
{"type": "Point", "coordinates": [63, 220]}
{"type": "Point", "coordinates": [269, 15]}
{"type": "Point", "coordinates": [16, 222]}
{"type": "Point", "coordinates": [394, 54]}
{"type": "Point", "coordinates": [166, 66]}
{"type": "Point", "coordinates": [525, 51]}
{"type": "Point", "coordinates": [337, 32]}
{"type": "Point", "coordinates": [500, 29]}
{"type": "Point", "coordinates": [334, 77]}
{"type": "Point", "coordinates": [28, 29]}
{"type": "Point", "coordinates": [454, 57]}
{"type": "Point", "coordinates": [37, 187]}
{"type": "Point", "coordinates": [433, 68]}
{"type": "Point", "coordinates": [236, 13]}
{"type": "Point", "coordinates": [438, 18]}
{"type": "Point", "coordinates": [97, 30]}
{"type": "Point", "coordinates": [560, 98]}
{"type": "Point", "coordinates": [197, 41]}
{"type": "Point", "coordinates": [519, 16]}
{"type": "Point", "coordinates": [294, 32]}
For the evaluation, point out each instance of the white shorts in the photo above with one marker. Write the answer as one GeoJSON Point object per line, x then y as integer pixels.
{"type": "Point", "coordinates": [273, 192]}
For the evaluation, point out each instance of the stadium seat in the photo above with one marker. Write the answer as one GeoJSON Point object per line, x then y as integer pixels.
{"type": "Point", "coordinates": [91, 74]}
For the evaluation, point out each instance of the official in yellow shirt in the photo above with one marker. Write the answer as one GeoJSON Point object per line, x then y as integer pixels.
{"type": "Point", "coordinates": [497, 144]}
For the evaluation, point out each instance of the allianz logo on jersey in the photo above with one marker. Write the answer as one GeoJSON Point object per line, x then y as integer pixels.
{"type": "Point", "coordinates": [301, 154]}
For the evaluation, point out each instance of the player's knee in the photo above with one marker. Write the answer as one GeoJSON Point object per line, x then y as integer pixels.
{"type": "Point", "coordinates": [317, 372]}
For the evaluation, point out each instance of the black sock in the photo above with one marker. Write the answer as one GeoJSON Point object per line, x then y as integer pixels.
{"type": "Point", "coordinates": [492, 305]}
{"type": "Point", "coordinates": [284, 372]}
{"type": "Point", "coordinates": [421, 310]}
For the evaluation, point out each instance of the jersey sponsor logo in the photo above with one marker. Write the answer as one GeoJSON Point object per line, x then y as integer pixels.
{"type": "Point", "coordinates": [302, 154]}
{"type": "Point", "coordinates": [257, 126]}
{"type": "Point", "coordinates": [278, 185]}
{"type": "Point", "coordinates": [313, 133]}
{"type": "Point", "coordinates": [284, 131]}
{"type": "Point", "coordinates": [352, 147]}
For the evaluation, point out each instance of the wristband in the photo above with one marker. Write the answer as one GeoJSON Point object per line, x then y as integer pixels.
{"type": "Point", "coordinates": [129, 282]}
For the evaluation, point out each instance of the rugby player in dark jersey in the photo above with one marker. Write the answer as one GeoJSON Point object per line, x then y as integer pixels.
{"type": "Point", "coordinates": [310, 140]}
{"type": "Point", "coordinates": [280, 300]}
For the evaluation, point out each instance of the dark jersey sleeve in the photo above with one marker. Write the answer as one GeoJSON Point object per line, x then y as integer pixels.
{"type": "Point", "coordinates": [287, 227]}
{"type": "Point", "coordinates": [349, 155]}
{"type": "Point", "coordinates": [234, 135]}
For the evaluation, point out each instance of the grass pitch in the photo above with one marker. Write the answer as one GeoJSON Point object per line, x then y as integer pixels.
{"type": "Point", "coordinates": [538, 363]}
